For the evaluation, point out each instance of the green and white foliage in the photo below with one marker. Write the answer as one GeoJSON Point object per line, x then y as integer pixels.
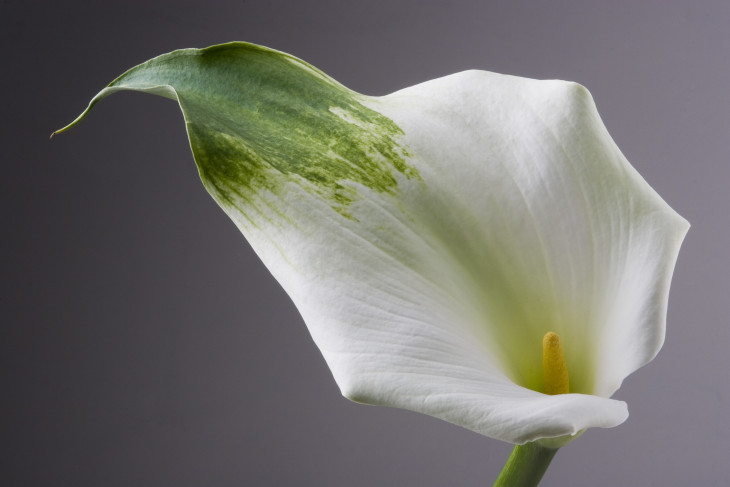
{"type": "Point", "coordinates": [432, 236]}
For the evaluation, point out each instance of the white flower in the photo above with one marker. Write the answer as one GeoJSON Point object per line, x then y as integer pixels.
{"type": "Point", "coordinates": [431, 237]}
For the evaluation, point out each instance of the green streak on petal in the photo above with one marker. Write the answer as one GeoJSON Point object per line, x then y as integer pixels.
{"type": "Point", "coordinates": [259, 119]}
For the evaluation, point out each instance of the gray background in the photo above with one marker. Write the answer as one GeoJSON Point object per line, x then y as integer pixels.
{"type": "Point", "coordinates": [143, 344]}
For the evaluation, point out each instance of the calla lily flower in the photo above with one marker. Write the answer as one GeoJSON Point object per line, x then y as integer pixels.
{"type": "Point", "coordinates": [430, 238]}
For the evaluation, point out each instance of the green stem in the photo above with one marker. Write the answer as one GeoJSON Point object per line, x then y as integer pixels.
{"type": "Point", "coordinates": [525, 466]}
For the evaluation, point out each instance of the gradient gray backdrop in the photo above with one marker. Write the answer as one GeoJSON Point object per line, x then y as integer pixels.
{"type": "Point", "coordinates": [143, 344]}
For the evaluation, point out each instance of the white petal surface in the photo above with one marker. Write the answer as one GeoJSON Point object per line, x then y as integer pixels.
{"type": "Point", "coordinates": [437, 300]}
{"type": "Point", "coordinates": [559, 230]}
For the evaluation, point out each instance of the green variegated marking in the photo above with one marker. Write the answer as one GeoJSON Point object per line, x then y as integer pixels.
{"type": "Point", "coordinates": [258, 118]}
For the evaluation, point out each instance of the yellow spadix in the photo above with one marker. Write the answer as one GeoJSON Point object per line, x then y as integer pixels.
{"type": "Point", "coordinates": [554, 370]}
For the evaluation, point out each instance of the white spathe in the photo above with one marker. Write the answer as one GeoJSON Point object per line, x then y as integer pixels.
{"type": "Point", "coordinates": [526, 218]}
